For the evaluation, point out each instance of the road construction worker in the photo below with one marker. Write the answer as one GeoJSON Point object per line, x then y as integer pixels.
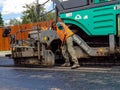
{"type": "Point", "coordinates": [65, 35]}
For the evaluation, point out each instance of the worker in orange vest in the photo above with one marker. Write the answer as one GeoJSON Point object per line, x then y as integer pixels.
{"type": "Point", "coordinates": [65, 35]}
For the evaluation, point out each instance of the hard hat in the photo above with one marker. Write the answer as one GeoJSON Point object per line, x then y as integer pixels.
{"type": "Point", "coordinates": [59, 26]}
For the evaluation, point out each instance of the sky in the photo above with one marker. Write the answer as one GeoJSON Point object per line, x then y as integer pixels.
{"type": "Point", "coordinates": [11, 9]}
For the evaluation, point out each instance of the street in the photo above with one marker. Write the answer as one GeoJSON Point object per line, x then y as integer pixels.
{"type": "Point", "coordinates": [57, 78]}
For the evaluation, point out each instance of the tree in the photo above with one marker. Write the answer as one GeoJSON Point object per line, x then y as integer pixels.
{"type": "Point", "coordinates": [30, 14]}
{"type": "Point", "coordinates": [14, 22]}
{"type": "Point", "coordinates": [50, 16]}
{"type": "Point", "coordinates": [1, 20]}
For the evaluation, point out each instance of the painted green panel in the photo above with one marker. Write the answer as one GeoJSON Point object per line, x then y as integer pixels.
{"type": "Point", "coordinates": [99, 1]}
{"type": "Point", "coordinates": [95, 21]}
{"type": "Point", "coordinates": [96, 1]}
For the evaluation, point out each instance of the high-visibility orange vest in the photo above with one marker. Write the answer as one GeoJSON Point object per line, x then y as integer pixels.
{"type": "Point", "coordinates": [65, 33]}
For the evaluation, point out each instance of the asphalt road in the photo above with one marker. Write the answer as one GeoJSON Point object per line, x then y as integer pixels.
{"type": "Point", "coordinates": [57, 78]}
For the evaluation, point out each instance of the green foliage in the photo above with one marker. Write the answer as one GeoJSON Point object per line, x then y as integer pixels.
{"type": "Point", "coordinates": [1, 20]}
{"type": "Point", "coordinates": [14, 22]}
{"type": "Point", "coordinates": [48, 16]}
{"type": "Point", "coordinates": [31, 15]}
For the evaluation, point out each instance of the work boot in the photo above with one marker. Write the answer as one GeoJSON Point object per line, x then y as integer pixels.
{"type": "Point", "coordinates": [75, 66]}
{"type": "Point", "coordinates": [66, 65]}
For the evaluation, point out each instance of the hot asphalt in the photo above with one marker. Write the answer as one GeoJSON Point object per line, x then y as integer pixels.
{"type": "Point", "coordinates": [57, 78]}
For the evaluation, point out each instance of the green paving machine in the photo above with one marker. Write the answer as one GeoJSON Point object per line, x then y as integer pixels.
{"type": "Point", "coordinates": [97, 25]}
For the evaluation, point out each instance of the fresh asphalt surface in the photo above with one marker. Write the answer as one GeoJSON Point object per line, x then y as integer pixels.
{"type": "Point", "coordinates": [57, 78]}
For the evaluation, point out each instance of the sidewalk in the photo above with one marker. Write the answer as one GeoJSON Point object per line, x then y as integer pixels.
{"type": "Point", "coordinates": [3, 53]}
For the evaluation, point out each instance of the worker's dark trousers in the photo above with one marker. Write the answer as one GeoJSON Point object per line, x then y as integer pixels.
{"type": "Point", "coordinates": [67, 49]}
